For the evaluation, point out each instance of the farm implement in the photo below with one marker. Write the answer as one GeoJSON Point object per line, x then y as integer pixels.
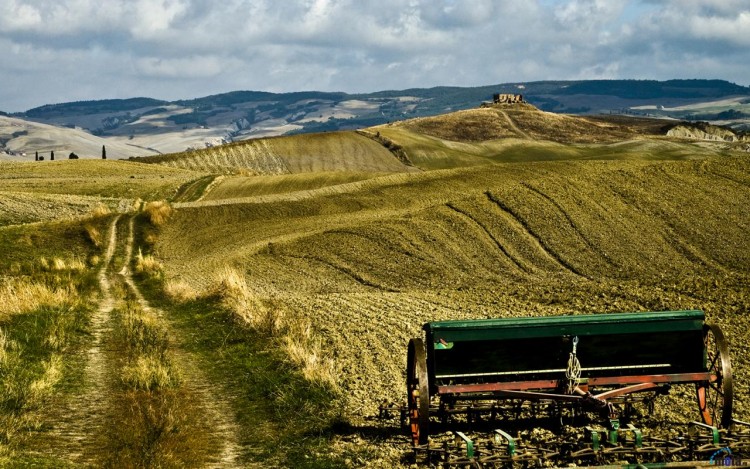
{"type": "Point", "coordinates": [572, 389]}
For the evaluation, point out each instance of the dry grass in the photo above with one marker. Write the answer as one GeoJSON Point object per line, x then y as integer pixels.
{"type": "Point", "coordinates": [180, 291]}
{"type": "Point", "coordinates": [149, 373]}
{"type": "Point", "coordinates": [93, 234]}
{"type": "Point", "coordinates": [230, 287]}
{"type": "Point", "coordinates": [143, 332]}
{"type": "Point", "coordinates": [158, 212]}
{"type": "Point", "coordinates": [100, 210]}
{"type": "Point", "coordinates": [271, 318]}
{"type": "Point", "coordinates": [305, 351]}
{"type": "Point", "coordinates": [58, 264]}
{"type": "Point", "coordinates": [22, 295]}
{"type": "Point", "coordinates": [148, 265]}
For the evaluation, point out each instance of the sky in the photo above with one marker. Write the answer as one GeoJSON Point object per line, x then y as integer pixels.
{"type": "Point", "coordinates": [58, 51]}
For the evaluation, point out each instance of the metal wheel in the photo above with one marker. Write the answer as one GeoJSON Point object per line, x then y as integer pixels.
{"type": "Point", "coordinates": [715, 395]}
{"type": "Point", "coordinates": [418, 395]}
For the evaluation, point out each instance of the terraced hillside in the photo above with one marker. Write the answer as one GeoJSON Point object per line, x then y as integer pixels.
{"type": "Point", "coordinates": [344, 151]}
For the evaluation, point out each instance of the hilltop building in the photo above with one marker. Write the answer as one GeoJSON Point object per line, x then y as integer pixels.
{"type": "Point", "coordinates": [504, 98]}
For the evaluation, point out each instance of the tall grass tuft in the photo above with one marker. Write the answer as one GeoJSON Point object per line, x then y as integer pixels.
{"type": "Point", "coordinates": [231, 288]}
{"type": "Point", "coordinates": [158, 212]}
{"type": "Point", "coordinates": [58, 264]}
{"type": "Point", "coordinates": [23, 295]}
{"type": "Point", "coordinates": [93, 234]}
{"type": "Point", "coordinates": [100, 211]}
{"type": "Point", "coordinates": [149, 373]}
{"type": "Point", "coordinates": [147, 265]}
{"type": "Point", "coordinates": [180, 291]}
{"type": "Point", "coordinates": [305, 351]}
{"type": "Point", "coordinates": [143, 332]}
{"type": "Point", "coordinates": [270, 318]}
{"type": "Point", "coordinates": [147, 344]}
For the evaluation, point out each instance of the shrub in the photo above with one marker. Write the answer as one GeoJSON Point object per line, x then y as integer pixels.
{"type": "Point", "coordinates": [158, 212]}
{"type": "Point", "coordinates": [180, 291]}
{"type": "Point", "coordinates": [93, 234]}
{"type": "Point", "coordinates": [148, 373]}
{"type": "Point", "coordinates": [147, 265]}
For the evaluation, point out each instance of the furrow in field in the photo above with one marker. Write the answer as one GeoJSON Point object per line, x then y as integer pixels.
{"type": "Point", "coordinates": [574, 226]}
{"type": "Point", "coordinates": [486, 232]}
{"type": "Point", "coordinates": [354, 274]}
{"type": "Point", "coordinates": [538, 240]}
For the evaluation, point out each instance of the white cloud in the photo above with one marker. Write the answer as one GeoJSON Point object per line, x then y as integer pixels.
{"type": "Point", "coordinates": [187, 48]}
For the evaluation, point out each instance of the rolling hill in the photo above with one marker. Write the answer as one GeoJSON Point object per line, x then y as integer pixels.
{"type": "Point", "coordinates": [353, 240]}
{"type": "Point", "coordinates": [144, 126]}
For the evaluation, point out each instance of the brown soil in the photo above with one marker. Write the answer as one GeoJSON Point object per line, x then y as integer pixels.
{"type": "Point", "coordinates": [370, 266]}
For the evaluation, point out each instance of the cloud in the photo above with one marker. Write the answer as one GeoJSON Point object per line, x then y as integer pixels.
{"type": "Point", "coordinates": [85, 49]}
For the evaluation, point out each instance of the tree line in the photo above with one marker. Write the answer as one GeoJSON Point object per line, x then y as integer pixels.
{"type": "Point", "coordinates": [71, 156]}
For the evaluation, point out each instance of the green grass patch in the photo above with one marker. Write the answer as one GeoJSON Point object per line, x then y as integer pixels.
{"type": "Point", "coordinates": [193, 190]}
{"type": "Point", "coordinates": [95, 178]}
{"type": "Point", "coordinates": [37, 359]}
{"type": "Point", "coordinates": [273, 403]}
{"type": "Point", "coordinates": [24, 245]}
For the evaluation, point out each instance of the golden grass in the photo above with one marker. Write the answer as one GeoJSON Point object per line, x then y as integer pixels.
{"type": "Point", "coordinates": [93, 234]}
{"type": "Point", "coordinates": [100, 211]}
{"type": "Point", "coordinates": [180, 291]}
{"type": "Point", "coordinates": [147, 265]}
{"type": "Point", "coordinates": [230, 287]}
{"type": "Point", "coordinates": [149, 373]}
{"type": "Point", "coordinates": [305, 351]}
{"type": "Point", "coordinates": [21, 295]}
{"type": "Point", "coordinates": [58, 264]}
{"type": "Point", "coordinates": [295, 334]}
{"type": "Point", "coordinates": [158, 212]}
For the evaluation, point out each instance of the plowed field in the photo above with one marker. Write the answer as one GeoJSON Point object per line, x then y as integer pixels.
{"type": "Point", "coordinates": [371, 263]}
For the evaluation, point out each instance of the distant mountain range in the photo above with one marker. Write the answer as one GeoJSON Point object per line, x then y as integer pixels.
{"type": "Point", "coordinates": [142, 126]}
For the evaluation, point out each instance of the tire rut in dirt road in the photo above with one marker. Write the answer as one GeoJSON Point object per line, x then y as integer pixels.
{"type": "Point", "coordinates": [214, 404]}
{"type": "Point", "coordinates": [78, 420]}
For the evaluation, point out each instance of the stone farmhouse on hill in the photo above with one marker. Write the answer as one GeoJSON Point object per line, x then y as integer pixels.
{"type": "Point", "coordinates": [504, 98]}
{"type": "Point", "coordinates": [499, 98]}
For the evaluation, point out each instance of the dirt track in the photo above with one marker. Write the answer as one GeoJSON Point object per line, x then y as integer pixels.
{"type": "Point", "coordinates": [82, 426]}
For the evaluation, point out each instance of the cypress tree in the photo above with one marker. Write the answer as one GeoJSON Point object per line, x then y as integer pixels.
{"type": "Point", "coordinates": [52, 156]}
{"type": "Point", "coordinates": [36, 156]}
{"type": "Point", "coordinates": [104, 153]}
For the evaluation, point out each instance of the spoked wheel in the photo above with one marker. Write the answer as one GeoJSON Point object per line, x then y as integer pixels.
{"type": "Point", "coordinates": [715, 395]}
{"type": "Point", "coordinates": [418, 395]}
